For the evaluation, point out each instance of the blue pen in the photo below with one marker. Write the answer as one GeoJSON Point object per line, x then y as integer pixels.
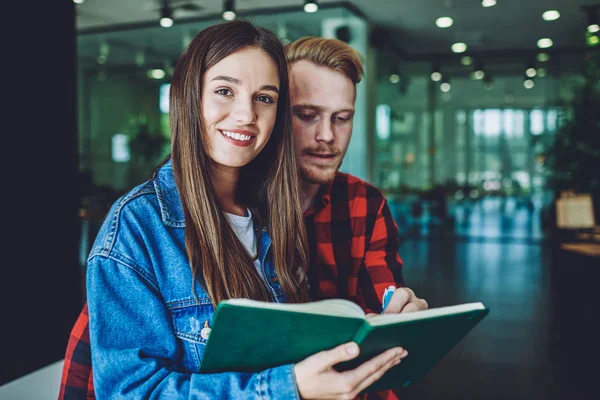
{"type": "Point", "coordinates": [387, 295]}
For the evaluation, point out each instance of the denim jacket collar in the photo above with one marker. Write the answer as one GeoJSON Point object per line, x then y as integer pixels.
{"type": "Point", "coordinates": [168, 196]}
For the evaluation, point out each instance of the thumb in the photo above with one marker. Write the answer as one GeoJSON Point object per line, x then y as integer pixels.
{"type": "Point", "coordinates": [326, 359]}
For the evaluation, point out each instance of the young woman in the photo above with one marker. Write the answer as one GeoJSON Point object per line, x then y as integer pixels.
{"type": "Point", "coordinates": [219, 219]}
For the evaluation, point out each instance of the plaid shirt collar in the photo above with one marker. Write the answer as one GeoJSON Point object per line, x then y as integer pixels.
{"type": "Point", "coordinates": [321, 200]}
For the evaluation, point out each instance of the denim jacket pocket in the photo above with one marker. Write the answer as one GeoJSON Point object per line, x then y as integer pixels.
{"type": "Point", "coordinates": [189, 322]}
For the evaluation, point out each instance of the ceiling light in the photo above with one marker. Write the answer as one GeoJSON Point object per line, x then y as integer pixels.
{"type": "Point", "coordinates": [593, 40]}
{"type": "Point", "coordinates": [459, 47]}
{"type": "Point", "coordinates": [466, 60]}
{"type": "Point", "coordinates": [310, 6]}
{"type": "Point", "coordinates": [531, 72]}
{"type": "Point", "coordinates": [103, 52]}
{"type": "Point", "coordinates": [156, 73]}
{"type": "Point", "coordinates": [394, 78]}
{"type": "Point", "coordinates": [544, 43]}
{"type": "Point", "coordinates": [78, 1]}
{"type": "Point", "coordinates": [543, 57]}
{"type": "Point", "coordinates": [528, 83]}
{"type": "Point", "coordinates": [541, 72]}
{"type": "Point", "coordinates": [229, 10]}
{"type": "Point", "coordinates": [436, 73]}
{"type": "Point", "coordinates": [478, 72]}
{"type": "Point", "coordinates": [228, 15]}
{"type": "Point", "coordinates": [166, 16]}
{"type": "Point", "coordinates": [488, 3]}
{"type": "Point", "coordinates": [166, 22]}
{"type": "Point", "coordinates": [593, 28]}
{"type": "Point", "coordinates": [551, 15]}
{"type": "Point", "coordinates": [445, 87]}
{"type": "Point", "coordinates": [444, 22]}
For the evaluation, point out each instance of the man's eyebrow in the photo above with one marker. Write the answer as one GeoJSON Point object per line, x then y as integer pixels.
{"type": "Point", "coordinates": [312, 107]}
{"type": "Point", "coordinates": [301, 107]}
{"type": "Point", "coordinates": [231, 79]}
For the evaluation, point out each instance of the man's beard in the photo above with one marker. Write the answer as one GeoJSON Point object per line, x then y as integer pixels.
{"type": "Point", "coordinates": [318, 174]}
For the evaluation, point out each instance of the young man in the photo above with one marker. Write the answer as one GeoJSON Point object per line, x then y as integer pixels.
{"type": "Point", "coordinates": [353, 237]}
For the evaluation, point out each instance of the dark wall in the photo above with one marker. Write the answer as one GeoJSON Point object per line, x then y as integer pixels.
{"type": "Point", "coordinates": [40, 278]}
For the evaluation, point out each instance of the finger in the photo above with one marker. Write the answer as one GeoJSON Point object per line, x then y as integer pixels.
{"type": "Point", "coordinates": [399, 299]}
{"type": "Point", "coordinates": [415, 305]}
{"type": "Point", "coordinates": [368, 368]}
{"type": "Point", "coordinates": [326, 359]}
{"type": "Point", "coordinates": [410, 307]}
{"type": "Point", "coordinates": [377, 375]}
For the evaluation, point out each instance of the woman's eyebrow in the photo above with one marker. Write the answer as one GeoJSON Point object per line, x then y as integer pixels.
{"type": "Point", "coordinates": [270, 88]}
{"type": "Point", "coordinates": [231, 79]}
{"type": "Point", "coordinates": [227, 79]}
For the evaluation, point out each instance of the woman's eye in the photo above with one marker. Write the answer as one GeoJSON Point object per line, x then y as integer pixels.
{"type": "Point", "coordinates": [224, 92]}
{"type": "Point", "coordinates": [265, 99]}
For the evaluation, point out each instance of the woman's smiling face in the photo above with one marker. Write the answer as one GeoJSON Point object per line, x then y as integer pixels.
{"type": "Point", "coordinates": [239, 106]}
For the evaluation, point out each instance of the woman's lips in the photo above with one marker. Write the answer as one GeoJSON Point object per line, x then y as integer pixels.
{"type": "Point", "coordinates": [238, 139]}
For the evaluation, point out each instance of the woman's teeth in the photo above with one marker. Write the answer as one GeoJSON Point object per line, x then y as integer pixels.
{"type": "Point", "coordinates": [237, 136]}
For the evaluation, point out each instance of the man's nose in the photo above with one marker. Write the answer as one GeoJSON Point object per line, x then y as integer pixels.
{"type": "Point", "coordinates": [325, 131]}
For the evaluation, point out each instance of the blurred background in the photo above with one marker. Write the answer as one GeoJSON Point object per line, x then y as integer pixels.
{"type": "Point", "coordinates": [479, 120]}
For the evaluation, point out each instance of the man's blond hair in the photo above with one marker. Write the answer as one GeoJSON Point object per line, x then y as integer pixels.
{"type": "Point", "coordinates": [330, 53]}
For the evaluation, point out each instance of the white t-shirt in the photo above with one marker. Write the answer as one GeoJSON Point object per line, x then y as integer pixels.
{"type": "Point", "coordinates": [244, 229]}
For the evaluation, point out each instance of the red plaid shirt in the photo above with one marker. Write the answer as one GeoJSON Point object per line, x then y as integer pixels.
{"type": "Point", "coordinates": [76, 382]}
{"type": "Point", "coordinates": [354, 247]}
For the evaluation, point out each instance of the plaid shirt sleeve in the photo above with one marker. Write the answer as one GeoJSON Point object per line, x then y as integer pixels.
{"type": "Point", "coordinates": [382, 253]}
{"type": "Point", "coordinates": [76, 382]}
{"type": "Point", "coordinates": [382, 260]}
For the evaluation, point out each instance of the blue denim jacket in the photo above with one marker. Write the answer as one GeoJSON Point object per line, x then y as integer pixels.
{"type": "Point", "coordinates": [144, 321]}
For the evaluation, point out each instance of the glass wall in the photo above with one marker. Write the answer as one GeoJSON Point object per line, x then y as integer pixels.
{"type": "Point", "coordinates": [455, 137]}
{"type": "Point", "coordinates": [479, 132]}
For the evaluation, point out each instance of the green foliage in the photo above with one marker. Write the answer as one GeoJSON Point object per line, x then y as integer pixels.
{"type": "Point", "coordinates": [147, 146]}
{"type": "Point", "coordinates": [573, 158]}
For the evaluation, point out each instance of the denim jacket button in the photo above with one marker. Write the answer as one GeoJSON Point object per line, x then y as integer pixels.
{"type": "Point", "coordinates": [204, 333]}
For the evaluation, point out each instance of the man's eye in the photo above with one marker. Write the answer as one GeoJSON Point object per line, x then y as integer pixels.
{"type": "Point", "coordinates": [344, 119]}
{"type": "Point", "coordinates": [224, 92]}
{"type": "Point", "coordinates": [306, 117]}
{"type": "Point", "coordinates": [265, 99]}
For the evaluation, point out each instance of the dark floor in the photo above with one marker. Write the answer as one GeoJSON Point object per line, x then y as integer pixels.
{"type": "Point", "coordinates": [539, 340]}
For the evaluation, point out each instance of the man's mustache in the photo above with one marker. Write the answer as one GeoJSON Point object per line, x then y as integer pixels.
{"type": "Point", "coordinates": [323, 149]}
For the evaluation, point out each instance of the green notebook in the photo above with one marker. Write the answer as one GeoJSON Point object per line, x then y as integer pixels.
{"type": "Point", "coordinates": [250, 336]}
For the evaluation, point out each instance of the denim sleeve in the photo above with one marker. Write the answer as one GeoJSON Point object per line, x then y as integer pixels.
{"type": "Point", "coordinates": [134, 348]}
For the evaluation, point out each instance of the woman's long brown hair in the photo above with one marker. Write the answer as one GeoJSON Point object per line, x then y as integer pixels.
{"type": "Point", "coordinates": [268, 185]}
